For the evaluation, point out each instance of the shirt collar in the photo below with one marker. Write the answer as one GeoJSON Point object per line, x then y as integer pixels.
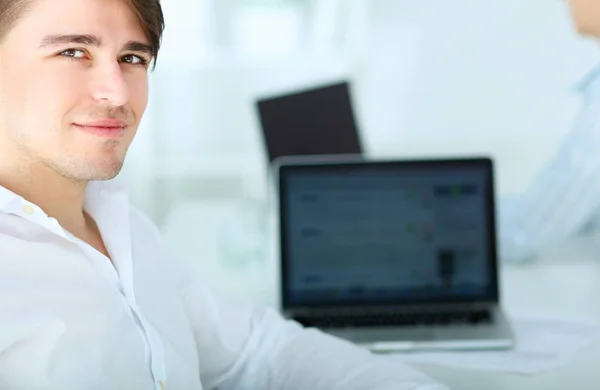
{"type": "Point", "coordinates": [102, 194]}
{"type": "Point", "coordinates": [106, 187]}
{"type": "Point", "coordinates": [7, 198]}
{"type": "Point", "coordinates": [590, 81]}
{"type": "Point", "coordinates": [94, 191]}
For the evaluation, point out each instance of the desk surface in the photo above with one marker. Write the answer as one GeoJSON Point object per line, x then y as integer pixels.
{"type": "Point", "coordinates": [562, 284]}
{"type": "Point", "coordinates": [569, 290]}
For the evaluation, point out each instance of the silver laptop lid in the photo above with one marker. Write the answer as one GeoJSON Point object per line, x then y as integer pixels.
{"type": "Point", "coordinates": [361, 233]}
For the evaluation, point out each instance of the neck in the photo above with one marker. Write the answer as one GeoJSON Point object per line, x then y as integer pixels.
{"type": "Point", "coordinates": [59, 197]}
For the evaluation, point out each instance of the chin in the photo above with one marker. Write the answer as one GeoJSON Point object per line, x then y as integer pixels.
{"type": "Point", "coordinates": [108, 174]}
{"type": "Point", "coordinates": [581, 29]}
{"type": "Point", "coordinates": [590, 30]}
{"type": "Point", "coordinates": [105, 176]}
{"type": "Point", "coordinates": [97, 172]}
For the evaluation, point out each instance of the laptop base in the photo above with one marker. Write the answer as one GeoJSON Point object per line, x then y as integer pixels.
{"type": "Point", "coordinates": [496, 335]}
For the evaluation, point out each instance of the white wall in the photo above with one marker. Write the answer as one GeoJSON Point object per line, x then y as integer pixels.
{"type": "Point", "coordinates": [472, 76]}
{"type": "Point", "coordinates": [435, 77]}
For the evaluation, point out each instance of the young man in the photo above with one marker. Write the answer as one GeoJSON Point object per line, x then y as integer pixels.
{"type": "Point", "coordinates": [88, 297]}
{"type": "Point", "coordinates": [563, 199]}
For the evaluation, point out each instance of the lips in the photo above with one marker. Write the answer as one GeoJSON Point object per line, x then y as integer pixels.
{"type": "Point", "coordinates": [105, 128]}
{"type": "Point", "coordinates": [108, 123]}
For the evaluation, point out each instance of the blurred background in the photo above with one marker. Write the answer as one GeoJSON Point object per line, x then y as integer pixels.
{"type": "Point", "coordinates": [429, 78]}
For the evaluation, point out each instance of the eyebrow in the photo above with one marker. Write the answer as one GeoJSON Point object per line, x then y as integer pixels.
{"type": "Point", "coordinates": [78, 39]}
{"type": "Point", "coordinates": [139, 47]}
{"type": "Point", "coordinates": [92, 40]}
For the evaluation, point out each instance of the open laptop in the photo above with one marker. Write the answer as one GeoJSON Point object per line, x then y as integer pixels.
{"type": "Point", "coordinates": [392, 255]}
{"type": "Point", "coordinates": [315, 121]}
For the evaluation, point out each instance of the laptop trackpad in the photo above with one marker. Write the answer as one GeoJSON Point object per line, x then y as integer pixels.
{"type": "Point", "coordinates": [372, 335]}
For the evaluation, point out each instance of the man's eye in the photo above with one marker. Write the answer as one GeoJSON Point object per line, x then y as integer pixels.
{"type": "Point", "coordinates": [73, 53]}
{"type": "Point", "coordinates": [133, 59]}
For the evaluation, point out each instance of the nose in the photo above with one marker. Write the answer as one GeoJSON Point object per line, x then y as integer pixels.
{"type": "Point", "coordinates": [109, 85]}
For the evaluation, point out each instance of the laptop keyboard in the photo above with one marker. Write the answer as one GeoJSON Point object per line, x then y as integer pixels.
{"type": "Point", "coordinates": [476, 317]}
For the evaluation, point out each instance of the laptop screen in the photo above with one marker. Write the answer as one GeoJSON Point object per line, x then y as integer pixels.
{"type": "Point", "coordinates": [318, 121]}
{"type": "Point", "coordinates": [387, 232]}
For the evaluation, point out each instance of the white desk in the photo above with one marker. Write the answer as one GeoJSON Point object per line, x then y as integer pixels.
{"type": "Point", "coordinates": [564, 284]}
{"type": "Point", "coordinates": [570, 291]}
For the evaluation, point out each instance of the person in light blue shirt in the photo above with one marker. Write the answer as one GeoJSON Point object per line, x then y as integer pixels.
{"type": "Point", "coordinates": [564, 198]}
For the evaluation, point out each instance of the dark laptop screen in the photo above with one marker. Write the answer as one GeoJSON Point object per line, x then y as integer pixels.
{"type": "Point", "coordinates": [387, 232]}
{"type": "Point", "coordinates": [319, 121]}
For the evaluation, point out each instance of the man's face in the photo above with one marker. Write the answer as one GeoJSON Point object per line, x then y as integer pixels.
{"type": "Point", "coordinates": [586, 14]}
{"type": "Point", "coordinates": [73, 86]}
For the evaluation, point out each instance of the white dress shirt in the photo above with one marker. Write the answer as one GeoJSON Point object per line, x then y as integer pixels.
{"type": "Point", "coordinates": [72, 320]}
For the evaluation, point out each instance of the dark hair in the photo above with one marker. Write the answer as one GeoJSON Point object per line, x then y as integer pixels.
{"type": "Point", "coordinates": [149, 13]}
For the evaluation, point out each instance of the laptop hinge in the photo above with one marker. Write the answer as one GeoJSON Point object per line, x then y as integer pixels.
{"type": "Point", "coordinates": [392, 309]}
